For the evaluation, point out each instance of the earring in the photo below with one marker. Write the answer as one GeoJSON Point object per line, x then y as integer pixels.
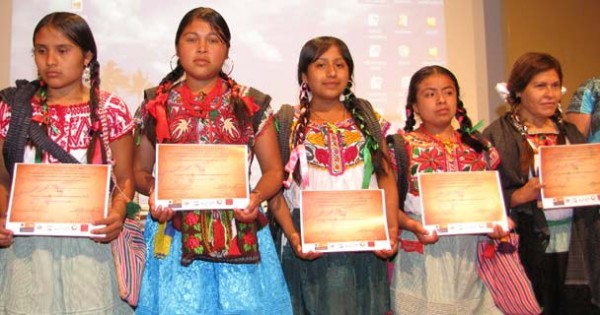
{"type": "Point", "coordinates": [176, 59]}
{"type": "Point", "coordinates": [304, 92]}
{"type": "Point", "coordinates": [227, 67]}
{"type": "Point", "coordinates": [347, 94]}
{"type": "Point", "coordinates": [86, 74]}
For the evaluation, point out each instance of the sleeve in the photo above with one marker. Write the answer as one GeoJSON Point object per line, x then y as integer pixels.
{"type": "Point", "coordinates": [4, 119]}
{"type": "Point", "coordinates": [120, 121]}
{"type": "Point", "coordinates": [586, 98]}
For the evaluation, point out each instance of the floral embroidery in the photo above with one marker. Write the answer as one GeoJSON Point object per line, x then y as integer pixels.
{"type": "Point", "coordinates": [212, 234]}
{"type": "Point", "coordinates": [334, 150]}
{"type": "Point", "coordinates": [191, 218]}
{"type": "Point", "coordinates": [427, 160]}
{"type": "Point", "coordinates": [428, 156]}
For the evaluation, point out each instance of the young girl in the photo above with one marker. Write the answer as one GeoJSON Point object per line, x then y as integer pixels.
{"type": "Point", "coordinates": [198, 103]}
{"type": "Point", "coordinates": [63, 275]}
{"type": "Point", "coordinates": [554, 243]}
{"type": "Point", "coordinates": [441, 278]}
{"type": "Point", "coordinates": [338, 137]}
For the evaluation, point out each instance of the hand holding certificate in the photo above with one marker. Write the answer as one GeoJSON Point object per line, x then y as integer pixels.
{"type": "Point", "coordinates": [343, 220]}
{"type": "Point", "coordinates": [201, 176]}
{"type": "Point", "coordinates": [58, 199]}
{"type": "Point", "coordinates": [462, 202]}
{"type": "Point", "coordinates": [570, 175]}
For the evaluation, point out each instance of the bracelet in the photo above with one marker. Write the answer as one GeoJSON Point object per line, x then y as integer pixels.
{"type": "Point", "coordinates": [259, 194]}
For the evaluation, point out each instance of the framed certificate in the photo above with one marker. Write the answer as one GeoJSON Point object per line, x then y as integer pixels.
{"type": "Point", "coordinates": [462, 202]}
{"type": "Point", "coordinates": [201, 176]}
{"type": "Point", "coordinates": [58, 199]}
{"type": "Point", "coordinates": [343, 220]}
{"type": "Point", "coordinates": [570, 175]}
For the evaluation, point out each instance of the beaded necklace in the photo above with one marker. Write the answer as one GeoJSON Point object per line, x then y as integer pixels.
{"type": "Point", "coordinates": [200, 108]}
{"type": "Point", "coordinates": [450, 144]}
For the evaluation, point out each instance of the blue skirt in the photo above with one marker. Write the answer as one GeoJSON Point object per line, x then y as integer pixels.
{"type": "Point", "coordinates": [212, 288]}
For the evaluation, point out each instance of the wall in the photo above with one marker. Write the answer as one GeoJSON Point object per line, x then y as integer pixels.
{"type": "Point", "coordinates": [5, 29]}
{"type": "Point", "coordinates": [568, 30]}
{"type": "Point", "coordinates": [484, 38]}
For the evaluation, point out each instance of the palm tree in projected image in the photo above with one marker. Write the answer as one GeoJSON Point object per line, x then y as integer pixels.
{"type": "Point", "coordinates": [138, 82]}
{"type": "Point", "coordinates": [112, 77]}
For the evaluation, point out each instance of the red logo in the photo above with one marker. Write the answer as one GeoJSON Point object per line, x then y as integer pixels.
{"type": "Point", "coordinates": [84, 228]}
{"type": "Point", "coordinates": [229, 202]}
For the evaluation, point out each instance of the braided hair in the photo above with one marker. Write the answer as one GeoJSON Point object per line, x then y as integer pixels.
{"type": "Point", "coordinates": [219, 25]}
{"type": "Point", "coordinates": [461, 112]}
{"type": "Point", "coordinates": [524, 69]}
{"type": "Point", "coordinates": [311, 51]}
{"type": "Point", "coordinates": [75, 28]}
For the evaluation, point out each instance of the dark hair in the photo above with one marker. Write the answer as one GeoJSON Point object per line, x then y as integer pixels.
{"type": "Point", "coordinates": [219, 25]}
{"type": "Point", "coordinates": [461, 111]}
{"type": "Point", "coordinates": [311, 51]}
{"type": "Point", "coordinates": [525, 68]}
{"type": "Point", "coordinates": [75, 28]}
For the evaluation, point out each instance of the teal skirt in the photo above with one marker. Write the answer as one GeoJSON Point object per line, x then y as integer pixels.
{"type": "Point", "coordinates": [58, 275]}
{"type": "Point", "coordinates": [337, 283]}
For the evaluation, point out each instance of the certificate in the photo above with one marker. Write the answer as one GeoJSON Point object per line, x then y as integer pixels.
{"type": "Point", "coordinates": [570, 175]}
{"type": "Point", "coordinates": [462, 202]}
{"type": "Point", "coordinates": [201, 176]}
{"type": "Point", "coordinates": [58, 199]}
{"type": "Point", "coordinates": [343, 220]}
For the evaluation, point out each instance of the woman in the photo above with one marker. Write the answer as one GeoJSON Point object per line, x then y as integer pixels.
{"type": "Point", "coordinates": [64, 275]}
{"type": "Point", "coordinates": [546, 237]}
{"type": "Point", "coordinates": [442, 277]}
{"type": "Point", "coordinates": [339, 132]}
{"type": "Point", "coordinates": [198, 103]}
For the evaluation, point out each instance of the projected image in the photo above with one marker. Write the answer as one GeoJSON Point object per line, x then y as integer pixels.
{"type": "Point", "coordinates": [389, 40]}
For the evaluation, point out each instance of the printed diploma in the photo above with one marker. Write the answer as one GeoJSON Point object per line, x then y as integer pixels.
{"type": "Point", "coordinates": [201, 176]}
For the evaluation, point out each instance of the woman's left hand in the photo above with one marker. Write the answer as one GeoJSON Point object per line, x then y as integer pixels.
{"type": "Point", "coordinates": [250, 213]}
{"type": "Point", "coordinates": [114, 225]}
{"type": "Point", "coordinates": [387, 253]}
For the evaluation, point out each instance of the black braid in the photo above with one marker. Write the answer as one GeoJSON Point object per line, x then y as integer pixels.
{"type": "Point", "coordinates": [410, 122]}
{"type": "Point", "coordinates": [94, 67]}
{"type": "Point", "coordinates": [557, 118]}
{"type": "Point", "coordinates": [169, 79]}
{"type": "Point", "coordinates": [299, 133]}
{"type": "Point", "coordinates": [465, 125]}
{"type": "Point", "coordinates": [351, 104]}
{"type": "Point", "coordinates": [239, 107]}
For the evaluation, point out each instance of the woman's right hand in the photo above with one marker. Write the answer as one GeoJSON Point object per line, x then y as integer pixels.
{"type": "Point", "coordinates": [296, 245]}
{"type": "Point", "coordinates": [159, 213]}
{"type": "Point", "coordinates": [427, 237]}
{"type": "Point", "coordinates": [6, 236]}
{"type": "Point", "coordinates": [528, 192]}
{"type": "Point", "coordinates": [423, 235]}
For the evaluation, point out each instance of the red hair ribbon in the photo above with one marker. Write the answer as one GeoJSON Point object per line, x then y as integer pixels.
{"type": "Point", "coordinates": [157, 109]}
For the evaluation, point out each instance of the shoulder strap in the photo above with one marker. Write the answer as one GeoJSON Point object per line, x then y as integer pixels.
{"type": "Point", "coordinates": [149, 124]}
{"type": "Point", "coordinates": [21, 129]}
{"type": "Point", "coordinates": [150, 93]}
{"type": "Point", "coordinates": [7, 95]}
{"type": "Point", "coordinates": [486, 154]}
{"type": "Point", "coordinates": [283, 122]}
{"type": "Point", "coordinates": [397, 142]}
{"type": "Point", "coordinates": [371, 120]}
{"type": "Point", "coordinates": [262, 100]}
